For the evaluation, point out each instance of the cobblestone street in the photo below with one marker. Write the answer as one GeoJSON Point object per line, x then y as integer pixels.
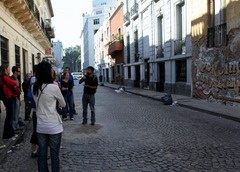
{"type": "Point", "coordinates": [133, 133]}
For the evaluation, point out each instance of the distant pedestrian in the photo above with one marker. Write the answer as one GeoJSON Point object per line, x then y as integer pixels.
{"type": "Point", "coordinates": [90, 88]}
{"type": "Point", "coordinates": [9, 101]}
{"type": "Point", "coordinates": [49, 123]}
{"type": "Point", "coordinates": [25, 87]}
{"type": "Point", "coordinates": [67, 92]}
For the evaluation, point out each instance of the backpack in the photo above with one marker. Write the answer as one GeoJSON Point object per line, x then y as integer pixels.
{"type": "Point", "coordinates": [30, 100]}
{"type": "Point", "coordinates": [29, 96]}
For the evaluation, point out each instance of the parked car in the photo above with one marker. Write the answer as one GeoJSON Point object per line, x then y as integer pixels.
{"type": "Point", "coordinates": [76, 75]}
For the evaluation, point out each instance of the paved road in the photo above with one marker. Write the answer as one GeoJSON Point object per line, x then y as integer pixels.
{"type": "Point", "coordinates": [138, 134]}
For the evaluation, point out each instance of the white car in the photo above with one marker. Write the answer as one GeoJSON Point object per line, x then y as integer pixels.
{"type": "Point", "coordinates": [76, 75]}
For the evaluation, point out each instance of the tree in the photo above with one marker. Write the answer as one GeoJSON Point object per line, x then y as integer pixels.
{"type": "Point", "coordinates": [72, 58]}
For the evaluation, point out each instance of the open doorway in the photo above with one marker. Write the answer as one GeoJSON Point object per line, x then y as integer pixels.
{"type": "Point", "coordinates": [161, 75]}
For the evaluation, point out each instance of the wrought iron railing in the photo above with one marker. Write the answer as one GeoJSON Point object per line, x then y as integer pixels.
{"type": "Point", "coordinates": [179, 47]}
{"type": "Point", "coordinates": [126, 17]}
{"type": "Point", "coordinates": [217, 36]}
{"type": "Point", "coordinates": [134, 9]}
{"type": "Point", "coordinates": [159, 49]}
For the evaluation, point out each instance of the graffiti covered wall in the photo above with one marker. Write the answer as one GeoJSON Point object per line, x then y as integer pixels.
{"type": "Point", "coordinates": [216, 71]}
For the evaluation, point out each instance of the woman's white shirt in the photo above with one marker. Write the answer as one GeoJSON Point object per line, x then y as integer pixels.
{"type": "Point", "coordinates": [48, 119]}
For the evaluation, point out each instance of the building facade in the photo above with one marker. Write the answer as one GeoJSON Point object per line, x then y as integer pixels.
{"type": "Point", "coordinates": [57, 48]}
{"type": "Point", "coordinates": [91, 24]}
{"type": "Point", "coordinates": [25, 32]}
{"type": "Point", "coordinates": [157, 45]}
{"type": "Point", "coordinates": [216, 49]}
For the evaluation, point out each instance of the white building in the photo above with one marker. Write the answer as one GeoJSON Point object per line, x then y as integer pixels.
{"type": "Point", "coordinates": [25, 32]}
{"type": "Point", "coordinates": [91, 24]}
{"type": "Point", "coordinates": [57, 49]}
{"type": "Point", "coordinates": [158, 47]}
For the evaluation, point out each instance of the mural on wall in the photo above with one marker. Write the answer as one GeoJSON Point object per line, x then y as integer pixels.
{"type": "Point", "coordinates": [216, 71]}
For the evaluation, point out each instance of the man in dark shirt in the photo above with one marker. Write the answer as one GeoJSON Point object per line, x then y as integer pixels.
{"type": "Point", "coordinates": [90, 88]}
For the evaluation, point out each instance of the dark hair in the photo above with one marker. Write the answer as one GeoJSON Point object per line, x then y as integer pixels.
{"type": "Point", "coordinates": [67, 68]}
{"type": "Point", "coordinates": [43, 76]}
{"type": "Point", "coordinates": [91, 68]}
{"type": "Point", "coordinates": [3, 68]}
{"type": "Point", "coordinates": [14, 69]}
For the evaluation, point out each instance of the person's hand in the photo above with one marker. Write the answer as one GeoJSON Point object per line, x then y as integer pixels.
{"type": "Point", "coordinates": [86, 85]}
{"type": "Point", "coordinates": [84, 77]}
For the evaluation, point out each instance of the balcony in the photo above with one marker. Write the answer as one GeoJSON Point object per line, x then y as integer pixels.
{"type": "Point", "coordinates": [23, 11]}
{"type": "Point", "coordinates": [179, 47]}
{"type": "Point", "coordinates": [115, 47]}
{"type": "Point", "coordinates": [159, 51]}
{"type": "Point", "coordinates": [126, 19]}
{"type": "Point", "coordinates": [217, 35]}
{"type": "Point", "coordinates": [134, 11]}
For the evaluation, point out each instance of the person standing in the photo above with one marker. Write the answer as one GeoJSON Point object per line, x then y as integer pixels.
{"type": "Point", "coordinates": [25, 87]}
{"type": "Point", "coordinates": [90, 88]}
{"type": "Point", "coordinates": [66, 88]}
{"type": "Point", "coordinates": [9, 101]}
{"type": "Point", "coordinates": [49, 123]}
{"type": "Point", "coordinates": [67, 70]}
{"type": "Point", "coordinates": [16, 119]}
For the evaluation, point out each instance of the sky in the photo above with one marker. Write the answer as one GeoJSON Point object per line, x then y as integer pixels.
{"type": "Point", "coordinates": [67, 20]}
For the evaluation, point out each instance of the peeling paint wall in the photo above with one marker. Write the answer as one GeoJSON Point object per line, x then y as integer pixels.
{"type": "Point", "coordinates": [217, 70]}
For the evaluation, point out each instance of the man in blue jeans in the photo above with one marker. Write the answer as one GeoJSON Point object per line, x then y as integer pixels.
{"type": "Point", "coordinates": [90, 88]}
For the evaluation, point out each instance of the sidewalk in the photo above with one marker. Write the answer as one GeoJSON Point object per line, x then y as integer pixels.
{"type": "Point", "coordinates": [229, 111]}
{"type": "Point", "coordinates": [6, 146]}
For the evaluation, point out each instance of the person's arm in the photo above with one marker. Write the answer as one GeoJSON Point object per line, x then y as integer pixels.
{"type": "Point", "coordinates": [94, 86]}
{"type": "Point", "coordinates": [82, 79]}
{"type": "Point", "coordinates": [10, 82]}
{"type": "Point", "coordinates": [59, 97]}
{"type": "Point", "coordinates": [63, 88]}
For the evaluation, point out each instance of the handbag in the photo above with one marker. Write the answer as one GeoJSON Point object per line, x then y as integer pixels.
{"type": "Point", "coordinates": [59, 109]}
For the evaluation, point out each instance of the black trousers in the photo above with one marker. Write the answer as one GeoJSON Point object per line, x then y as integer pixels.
{"type": "Point", "coordinates": [34, 138]}
{"type": "Point", "coordinates": [8, 130]}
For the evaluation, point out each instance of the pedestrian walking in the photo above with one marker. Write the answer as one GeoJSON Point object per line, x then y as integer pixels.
{"type": "Point", "coordinates": [88, 98]}
{"type": "Point", "coordinates": [49, 123]}
{"type": "Point", "coordinates": [9, 101]}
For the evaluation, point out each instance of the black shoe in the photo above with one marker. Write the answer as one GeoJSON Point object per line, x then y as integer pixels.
{"type": "Point", "coordinates": [83, 123]}
{"type": "Point", "coordinates": [34, 155]}
{"type": "Point", "coordinates": [92, 123]}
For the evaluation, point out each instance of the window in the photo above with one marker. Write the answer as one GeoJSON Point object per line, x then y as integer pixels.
{"type": "Point", "coordinates": [128, 49]}
{"type": "Point", "coordinates": [160, 37]}
{"type": "Point", "coordinates": [136, 46]}
{"type": "Point", "coordinates": [217, 31]}
{"type": "Point", "coordinates": [98, 12]}
{"type": "Point", "coordinates": [96, 21]}
{"type": "Point", "coordinates": [4, 50]}
{"type": "Point", "coordinates": [181, 70]}
{"type": "Point", "coordinates": [17, 55]}
{"type": "Point", "coordinates": [179, 43]}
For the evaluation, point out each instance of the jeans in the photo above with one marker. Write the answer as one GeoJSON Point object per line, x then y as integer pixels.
{"type": "Point", "coordinates": [54, 142]}
{"type": "Point", "coordinates": [88, 99]}
{"type": "Point", "coordinates": [69, 102]}
{"type": "Point", "coordinates": [16, 109]}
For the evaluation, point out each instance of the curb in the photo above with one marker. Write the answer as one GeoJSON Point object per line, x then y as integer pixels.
{"type": "Point", "coordinates": [221, 115]}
